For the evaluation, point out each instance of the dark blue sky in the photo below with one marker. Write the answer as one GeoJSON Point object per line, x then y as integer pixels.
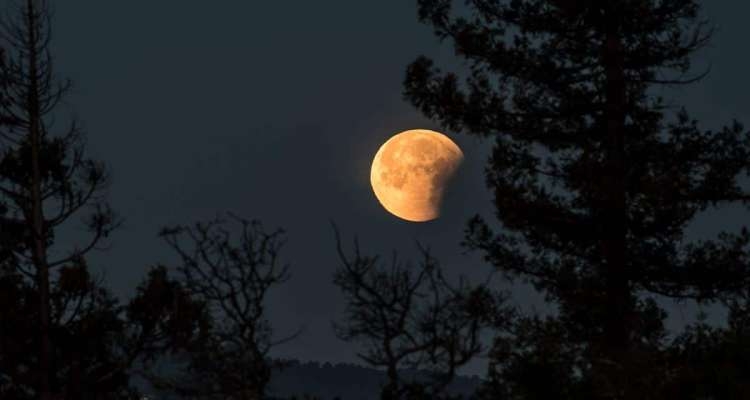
{"type": "Point", "coordinates": [274, 110]}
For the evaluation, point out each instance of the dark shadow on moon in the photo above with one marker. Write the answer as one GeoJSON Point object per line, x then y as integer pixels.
{"type": "Point", "coordinates": [414, 171]}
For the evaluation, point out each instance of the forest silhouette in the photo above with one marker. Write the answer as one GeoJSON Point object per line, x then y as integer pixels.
{"type": "Point", "coordinates": [594, 180]}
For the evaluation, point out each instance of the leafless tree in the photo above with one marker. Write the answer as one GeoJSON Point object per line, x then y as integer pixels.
{"type": "Point", "coordinates": [411, 318]}
{"type": "Point", "coordinates": [233, 278]}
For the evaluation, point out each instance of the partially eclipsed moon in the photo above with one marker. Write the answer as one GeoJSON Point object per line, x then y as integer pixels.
{"type": "Point", "coordinates": [410, 172]}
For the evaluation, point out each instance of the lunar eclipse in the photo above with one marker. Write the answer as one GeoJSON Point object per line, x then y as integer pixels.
{"type": "Point", "coordinates": [411, 171]}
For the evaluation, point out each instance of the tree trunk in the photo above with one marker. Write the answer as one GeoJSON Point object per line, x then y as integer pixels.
{"type": "Point", "coordinates": [39, 234]}
{"type": "Point", "coordinates": [615, 342]}
{"type": "Point", "coordinates": [390, 391]}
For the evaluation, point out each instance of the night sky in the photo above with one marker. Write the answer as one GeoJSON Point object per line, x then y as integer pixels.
{"type": "Point", "coordinates": [274, 110]}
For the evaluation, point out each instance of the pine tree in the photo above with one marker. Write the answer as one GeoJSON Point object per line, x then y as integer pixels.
{"type": "Point", "coordinates": [714, 361]}
{"type": "Point", "coordinates": [62, 334]}
{"type": "Point", "coordinates": [594, 178]}
{"type": "Point", "coordinates": [46, 178]}
{"type": "Point", "coordinates": [99, 344]}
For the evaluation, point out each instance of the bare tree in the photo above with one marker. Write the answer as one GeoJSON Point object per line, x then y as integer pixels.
{"type": "Point", "coordinates": [233, 279]}
{"type": "Point", "coordinates": [411, 318]}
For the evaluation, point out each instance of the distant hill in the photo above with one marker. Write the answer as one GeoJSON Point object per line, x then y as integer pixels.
{"type": "Point", "coordinates": [346, 381]}
{"type": "Point", "coordinates": [328, 381]}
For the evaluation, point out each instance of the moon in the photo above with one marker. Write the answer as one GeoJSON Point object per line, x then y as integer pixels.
{"type": "Point", "coordinates": [410, 172]}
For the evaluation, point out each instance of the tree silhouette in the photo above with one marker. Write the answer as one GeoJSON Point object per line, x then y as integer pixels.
{"type": "Point", "coordinates": [411, 318]}
{"type": "Point", "coordinates": [98, 344]}
{"type": "Point", "coordinates": [594, 179]}
{"type": "Point", "coordinates": [62, 334]}
{"type": "Point", "coordinates": [713, 362]}
{"type": "Point", "coordinates": [46, 178]}
{"type": "Point", "coordinates": [231, 276]}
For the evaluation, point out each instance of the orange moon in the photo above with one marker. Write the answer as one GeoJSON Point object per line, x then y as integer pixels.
{"type": "Point", "coordinates": [410, 172]}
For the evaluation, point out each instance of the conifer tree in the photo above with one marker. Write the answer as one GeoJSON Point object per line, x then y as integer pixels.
{"type": "Point", "coordinates": [63, 335]}
{"type": "Point", "coordinates": [594, 177]}
{"type": "Point", "coordinates": [47, 179]}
